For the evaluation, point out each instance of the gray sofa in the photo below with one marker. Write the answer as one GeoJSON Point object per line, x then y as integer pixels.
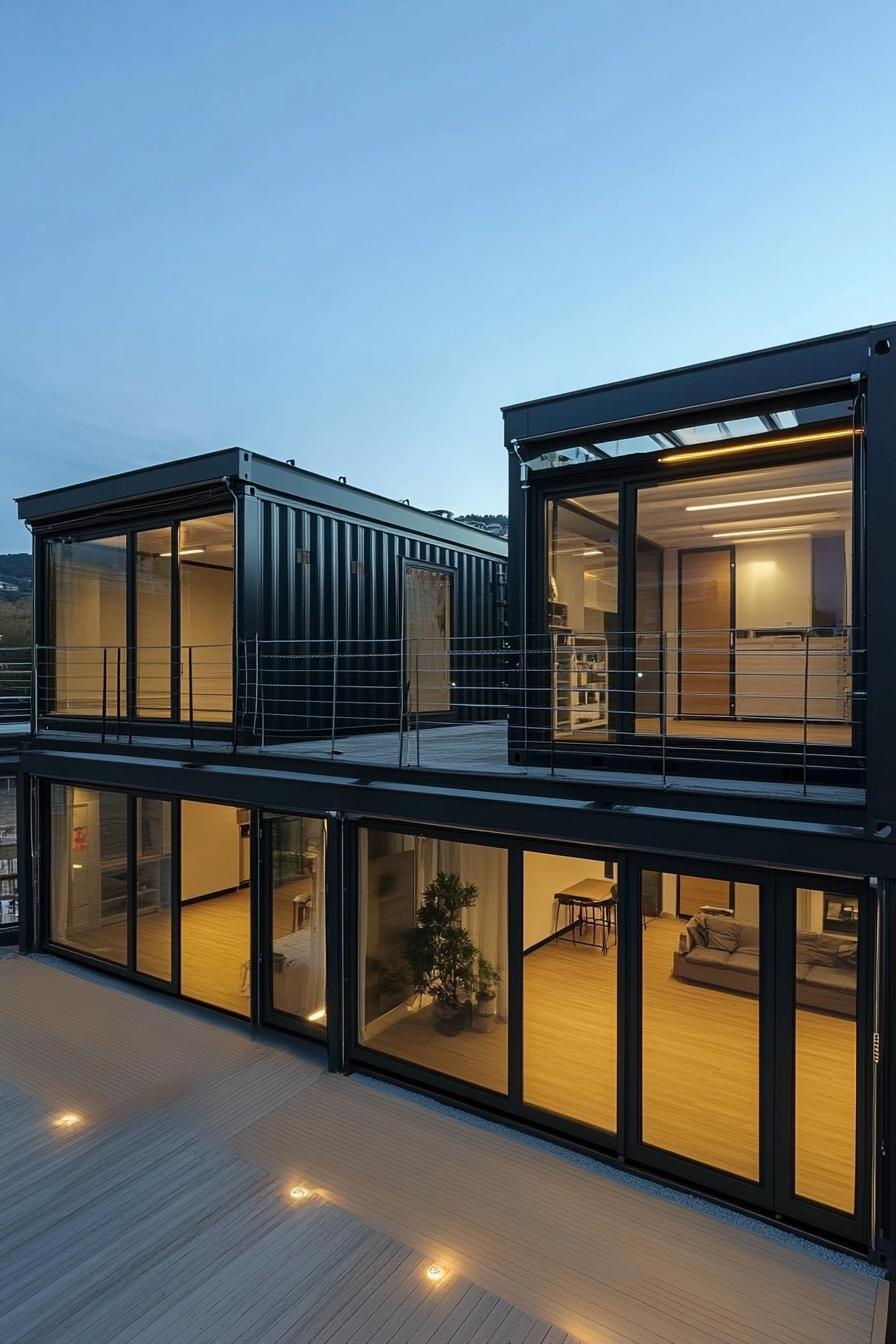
{"type": "Point", "coordinates": [722, 951]}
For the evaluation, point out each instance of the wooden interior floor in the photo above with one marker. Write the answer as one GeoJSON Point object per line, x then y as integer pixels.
{"type": "Point", "coordinates": [701, 1062]}
{"type": "Point", "coordinates": [164, 1214]}
{"type": "Point", "coordinates": [732, 730]}
{"type": "Point", "coordinates": [701, 1050]}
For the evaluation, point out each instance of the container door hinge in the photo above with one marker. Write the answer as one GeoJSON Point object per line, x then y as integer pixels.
{"type": "Point", "coordinates": [875, 1047]}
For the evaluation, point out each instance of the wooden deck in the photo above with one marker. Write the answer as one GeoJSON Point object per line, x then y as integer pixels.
{"type": "Point", "coordinates": [164, 1215]}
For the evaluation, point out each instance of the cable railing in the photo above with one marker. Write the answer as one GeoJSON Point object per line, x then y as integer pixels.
{"type": "Point", "coordinates": [15, 685]}
{"type": "Point", "coordinates": [781, 703]}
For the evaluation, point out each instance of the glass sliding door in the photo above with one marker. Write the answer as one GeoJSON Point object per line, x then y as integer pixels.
{"type": "Point", "coordinates": [570, 973]}
{"type": "Point", "coordinates": [153, 563]}
{"type": "Point", "coordinates": [829, 948]}
{"type": "Point", "coordinates": [582, 615]}
{"type": "Point", "coordinates": [433, 954]}
{"type": "Point", "coordinates": [205, 562]}
{"type": "Point", "coordinates": [87, 627]}
{"type": "Point", "coordinates": [296, 921]}
{"type": "Point", "coordinates": [153, 839]}
{"type": "Point", "coordinates": [214, 908]}
{"type": "Point", "coordinates": [700, 999]}
{"type": "Point", "coordinates": [89, 871]}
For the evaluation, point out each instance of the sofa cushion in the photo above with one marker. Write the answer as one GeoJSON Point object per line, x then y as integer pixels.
{"type": "Point", "coordinates": [722, 933]}
{"type": "Point", "coordinates": [707, 956]}
{"type": "Point", "coordinates": [802, 968]}
{"type": "Point", "coordinates": [829, 977]}
{"type": "Point", "coordinates": [746, 959]}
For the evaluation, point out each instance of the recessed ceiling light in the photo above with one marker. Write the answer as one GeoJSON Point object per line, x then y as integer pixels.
{"type": "Point", "coordinates": [592, 552]}
{"type": "Point", "coordinates": [784, 532]}
{"type": "Point", "coordinates": [769, 499]}
{"type": "Point", "coordinates": [299, 1192]}
{"type": "Point", "coordinates": [317, 1016]}
{"type": "Point", "coordinates": [435, 1272]}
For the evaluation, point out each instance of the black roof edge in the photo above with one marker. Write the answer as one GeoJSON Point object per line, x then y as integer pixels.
{"type": "Point", "coordinates": [236, 464]}
{"type": "Point", "coordinates": [694, 368]}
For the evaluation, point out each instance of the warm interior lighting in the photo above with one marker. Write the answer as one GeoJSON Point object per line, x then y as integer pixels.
{"type": "Point", "coordinates": [791, 531]}
{"type": "Point", "coordinates": [317, 1016]}
{"type": "Point", "coordinates": [592, 552]}
{"type": "Point", "coordinates": [67, 1120]}
{"type": "Point", "coordinates": [187, 550]}
{"type": "Point", "coordinates": [77, 865]}
{"type": "Point", "coordinates": [435, 1272]}
{"type": "Point", "coordinates": [769, 499]}
{"type": "Point", "coordinates": [298, 1192]}
{"type": "Point", "coordinates": [778, 441]}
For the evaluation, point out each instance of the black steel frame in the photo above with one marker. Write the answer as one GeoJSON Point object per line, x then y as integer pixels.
{"type": "Point", "coordinates": [129, 720]}
{"type": "Point", "coordinates": [772, 1193]}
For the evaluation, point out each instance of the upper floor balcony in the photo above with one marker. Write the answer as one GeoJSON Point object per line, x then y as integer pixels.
{"type": "Point", "coordinates": [654, 707]}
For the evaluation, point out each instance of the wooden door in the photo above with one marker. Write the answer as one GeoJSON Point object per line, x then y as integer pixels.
{"type": "Point", "coordinates": [705, 594]}
{"type": "Point", "coordinates": [696, 891]}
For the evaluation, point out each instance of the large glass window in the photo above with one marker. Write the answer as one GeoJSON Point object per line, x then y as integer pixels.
{"type": "Point", "coordinates": [825, 967]}
{"type": "Point", "coordinates": [89, 873]}
{"type": "Point", "coordinates": [433, 954]}
{"type": "Point", "coordinates": [743, 591]}
{"type": "Point", "coordinates": [184, 579]}
{"type": "Point", "coordinates": [215, 905]}
{"type": "Point", "coordinates": [205, 566]}
{"type": "Point", "coordinates": [298, 918]}
{"type": "Point", "coordinates": [582, 611]}
{"type": "Point", "coordinates": [9, 866]}
{"type": "Point", "coordinates": [700, 1020]}
{"type": "Point", "coordinates": [153, 561]}
{"type": "Point", "coordinates": [87, 582]}
{"type": "Point", "coordinates": [570, 967]}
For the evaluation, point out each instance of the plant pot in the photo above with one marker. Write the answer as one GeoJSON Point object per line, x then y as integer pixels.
{"type": "Point", "coordinates": [449, 1018]}
{"type": "Point", "coordinates": [486, 1016]}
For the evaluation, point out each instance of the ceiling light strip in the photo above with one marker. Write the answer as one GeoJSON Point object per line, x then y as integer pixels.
{"type": "Point", "coordinates": [778, 441]}
{"type": "Point", "coordinates": [769, 499]}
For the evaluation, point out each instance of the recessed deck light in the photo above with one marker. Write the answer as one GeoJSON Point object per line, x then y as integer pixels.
{"type": "Point", "coordinates": [435, 1272]}
{"type": "Point", "coordinates": [67, 1120]}
{"type": "Point", "coordinates": [299, 1192]}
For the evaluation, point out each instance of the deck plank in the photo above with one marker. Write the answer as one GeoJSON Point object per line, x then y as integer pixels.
{"type": "Point", "coordinates": [166, 1215]}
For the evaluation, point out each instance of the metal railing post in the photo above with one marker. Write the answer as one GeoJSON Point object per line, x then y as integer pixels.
{"type": "Point", "coordinates": [664, 706]}
{"type": "Point", "coordinates": [105, 693]}
{"type": "Point", "coordinates": [806, 715]}
{"type": "Point", "coordinates": [34, 713]}
{"type": "Point", "coordinates": [190, 689]}
{"type": "Point", "coordinates": [554, 703]}
{"type": "Point", "coordinates": [333, 698]}
{"type": "Point", "coordinates": [118, 691]}
{"type": "Point", "coordinates": [403, 691]}
{"type": "Point", "coordinates": [417, 693]}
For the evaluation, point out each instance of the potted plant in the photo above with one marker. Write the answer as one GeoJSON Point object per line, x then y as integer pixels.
{"type": "Point", "coordinates": [441, 954]}
{"type": "Point", "coordinates": [486, 1015]}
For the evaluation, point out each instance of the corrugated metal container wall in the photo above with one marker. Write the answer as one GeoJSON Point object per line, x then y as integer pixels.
{"type": "Point", "coordinates": [335, 584]}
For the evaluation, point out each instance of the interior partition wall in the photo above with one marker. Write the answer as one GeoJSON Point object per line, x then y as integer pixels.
{"type": "Point", "coordinates": [725, 1045]}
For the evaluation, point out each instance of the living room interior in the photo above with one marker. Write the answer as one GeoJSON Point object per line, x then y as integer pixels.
{"type": "Point", "coordinates": [743, 607]}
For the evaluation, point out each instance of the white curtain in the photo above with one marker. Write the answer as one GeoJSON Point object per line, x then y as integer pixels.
{"type": "Point", "coordinates": [486, 921]}
{"type": "Point", "coordinates": [61, 825]}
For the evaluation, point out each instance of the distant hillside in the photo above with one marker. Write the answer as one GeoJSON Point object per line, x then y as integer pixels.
{"type": "Point", "coordinates": [15, 569]}
{"type": "Point", "coordinates": [496, 523]}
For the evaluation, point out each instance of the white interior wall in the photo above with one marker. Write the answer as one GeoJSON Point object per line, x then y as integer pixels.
{"type": "Point", "coordinates": [543, 876]}
{"type": "Point", "coordinates": [210, 849]}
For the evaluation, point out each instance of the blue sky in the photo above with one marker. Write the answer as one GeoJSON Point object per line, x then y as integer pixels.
{"type": "Point", "coordinates": [347, 233]}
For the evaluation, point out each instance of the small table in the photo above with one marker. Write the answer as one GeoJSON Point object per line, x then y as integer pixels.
{"type": "Point", "coordinates": [592, 901]}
